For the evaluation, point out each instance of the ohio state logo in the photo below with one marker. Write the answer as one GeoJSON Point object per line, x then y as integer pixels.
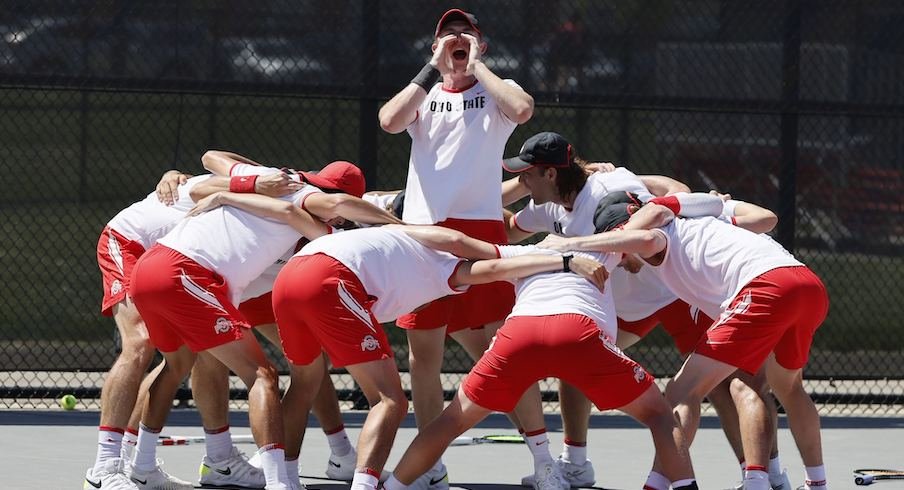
{"type": "Point", "coordinates": [116, 287]}
{"type": "Point", "coordinates": [369, 343]}
{"type": "Point", "coordinates": [639, 374]}
{"type": "Point", "coordinates": [222, 326]}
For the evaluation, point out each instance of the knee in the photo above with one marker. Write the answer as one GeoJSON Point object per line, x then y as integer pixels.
{"type": "Point", "coordinates": [396, 403]}
{"type": "Point", "coordinates": [743, 394]}
{"type": "Point", "coordinates": [137, 349]}
{"type": "Point", "coordinates": [267, 375]}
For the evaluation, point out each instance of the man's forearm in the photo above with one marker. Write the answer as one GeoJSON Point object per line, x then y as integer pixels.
{"type": "Point", "coordinates": [451, 241]}
{"type": "Point", "coordinates": [485, 271]}
{"type": "Point", "coordinates": [361, 211]}
{"type": "Point", "coordinates": [515, 103]}
{"type": "Point", "coordinates": [401, 110]}
{"type": "Point", "coordinates": [513, 191]}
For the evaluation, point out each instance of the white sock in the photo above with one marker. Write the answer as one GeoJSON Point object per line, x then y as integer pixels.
{"type": "Point", "coordinates": [538, 443]}
{"type": "Point", "coordinates": [146, 449]}
{"type": "Point", "coordinates": [756, 480]}
{"type": "Point", "coordinates": [364, 481]}
{"type": "Point", "coordinates": [574, 453]}
{"type": "Point", "coordinates": [816, 477]}
{"type": "Point", "coordinates": [109, 446]}
{"type": "Point", "coordinates": [743, 466]}
{"type": "Point", "coordinates": [273, 463]}
{"type": "Point", "coordinates": [129, 443]}
{"type": "Point", "coordinates": [338, 440]}
{"type": "Point", "coordinates": [657, 481]}
{"type": "Point", "coordinates": [292, 469]}
{"type": "Point", "coordinates": [218, 443]}
{"type": "Point", "coordinates": [775, 470]}
{"type": "Point", "coordinates": [393, 483]}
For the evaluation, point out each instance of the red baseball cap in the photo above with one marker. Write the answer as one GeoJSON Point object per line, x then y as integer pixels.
{"type": "Point", "coordinates": [456, 14]}
{"type": "Point", "coordinates": [339, 175]}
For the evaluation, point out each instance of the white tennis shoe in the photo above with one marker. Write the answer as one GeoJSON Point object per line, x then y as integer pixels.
{"type": "Point", "coordinates": [112, 477]}
{"type": "Point", "coordinates": [577, 475]}
{"type": "Point", "coordinates": [157, 479]}
{"type": "Point", "coordinates": [549, 477]}
{"type": "Point", "coordinates": [233, 471]}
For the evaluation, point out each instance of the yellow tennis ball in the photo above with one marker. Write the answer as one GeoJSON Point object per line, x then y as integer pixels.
{"type": "Point", "coordinates": [68, 402]}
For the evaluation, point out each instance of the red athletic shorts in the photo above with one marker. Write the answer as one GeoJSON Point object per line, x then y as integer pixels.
{"type": "Point", "coordinates": [259, 311]}
{"type": "Point", "coordinates": [116, 256]}
{"type": "Point", "coordinates": [686, 324]}
{"type": "Point", "coordinates": [481, 304]}
{"type": "Point", "coordinates": [321, 305]}
{"type": "Point", "coordinates": [181, 302]}
{"type": "Point", "coordinates": [570, 347]}
{"type": "Point", "coordinates": [778, 311]}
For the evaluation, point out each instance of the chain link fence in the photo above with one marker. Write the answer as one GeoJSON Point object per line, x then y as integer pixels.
{"type": "Point", "coordinates": [796, 105]}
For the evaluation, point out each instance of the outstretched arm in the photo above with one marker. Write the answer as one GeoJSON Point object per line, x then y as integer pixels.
{"type": "Point", "coordinates": [219, 162]}
{"type": "Point", "coordinates": [484, 271]}
{"type": "Point", "coordinates": [660, 185]}
{"type": "Point", "coordinates": [645, 243]}
{"type": "Point", "coordinates": [328, 206]}
{"type": "Point", "coordinates": [266, 207]}
{"type": "Point", "coordinates": [276, 184]}
{"type": "Point", "coordinates": [451, 241]}
{"type": "Point", "coordinates": [513, 191]}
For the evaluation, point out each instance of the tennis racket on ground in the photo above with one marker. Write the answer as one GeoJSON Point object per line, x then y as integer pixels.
{"type": "Point", "coordinates": [489, 439]}
{"type": "Point", "coordinates": [868, 477]}
{"type": "Point", "coordinates": [189, 440]}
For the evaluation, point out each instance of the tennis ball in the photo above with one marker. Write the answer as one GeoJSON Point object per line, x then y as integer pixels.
{"type": "Point", "coordinates": [68, 402]}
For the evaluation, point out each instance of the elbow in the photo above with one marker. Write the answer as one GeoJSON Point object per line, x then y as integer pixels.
{"type": "Point", "coordinates": [389, 123]}
{"type": "Point", "coordinates": [523, 111]}
{"type": "Point", "coordinates": [768, 222]}
{"type": "Point", "coordinates": [207, 159]}
{"type": "Point", "coordinates": [649, 244]}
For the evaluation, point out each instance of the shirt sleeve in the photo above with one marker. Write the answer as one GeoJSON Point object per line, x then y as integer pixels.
{"type": "Point", "coordinates": [512, 83]}
{"type": "Point", "coordinates": [240, 169]}
{"type": "Point", "coordinates": [533, 219]}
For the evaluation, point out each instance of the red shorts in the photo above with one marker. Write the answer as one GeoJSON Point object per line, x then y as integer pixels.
{"type": "Point", "coordinates": [181, 302]}
{"type": "Point", "coordinates": [116, 256]}
{"type": "Point", "coordinates": [686, 324]}
{"type": "Point", "coordinates": [570, 347]}
{"type": "Point", "coordinates": [259, 311]}
{"type": "Point", "coordinates": [778, 311]}
{"type": "Point", "coordinates": [321, 305]}
{"type": "Point", "coordinates": [481, 304]}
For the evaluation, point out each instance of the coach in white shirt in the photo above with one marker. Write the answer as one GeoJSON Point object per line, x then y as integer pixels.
{"type": "Point", "coordinates": [458, 132]}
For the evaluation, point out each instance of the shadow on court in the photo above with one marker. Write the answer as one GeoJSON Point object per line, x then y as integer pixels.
{"type": "Point", "coordinates": [191, 418]}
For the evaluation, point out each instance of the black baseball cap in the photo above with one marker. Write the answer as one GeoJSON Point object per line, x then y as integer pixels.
{"type": "Point", "coordinates": [546, 148]}
{"type": "Point", "coordinates": [456, 14]}
{"type": "Point", "coordinates": [615, 210]}
{"type": "Point", "coordinates": [398, 205]}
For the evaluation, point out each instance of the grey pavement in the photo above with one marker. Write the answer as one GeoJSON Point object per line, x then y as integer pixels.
{"type": "Point", "coordinates": [52, 449]}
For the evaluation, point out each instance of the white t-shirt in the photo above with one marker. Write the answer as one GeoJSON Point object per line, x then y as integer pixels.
{"type": "Point", "coordinates": [556, 293]}
{"type": "Point", "coordinates": [709, 261]}
{"type": "Point", "coordinates": [381, 201]}
{"type": "Point", "coordinates": [263, 283]}
{"type": "Point", "coordinates": [148, 220]}
{"type": "Point", "coordinates": [233, 243]}
{"type": "Point", "coordinates": [393, 267]}
{"type": "Point", "coordinates": [637, 296]}
{"type": "Point", "coordinates": [455, 169]}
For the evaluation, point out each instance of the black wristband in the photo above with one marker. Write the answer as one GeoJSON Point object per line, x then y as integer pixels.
{"type": "Point", "coordinates": [427, 77]}
{"type": "Point", "coordinates": [566, 262]}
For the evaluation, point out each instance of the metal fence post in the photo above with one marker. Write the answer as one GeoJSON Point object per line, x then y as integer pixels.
{"type": "Point", "coordinates": [789, 125]}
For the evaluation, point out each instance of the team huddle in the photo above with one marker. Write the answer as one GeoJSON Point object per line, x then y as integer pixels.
{"type": "Point", "coordinates": [316, 265]}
